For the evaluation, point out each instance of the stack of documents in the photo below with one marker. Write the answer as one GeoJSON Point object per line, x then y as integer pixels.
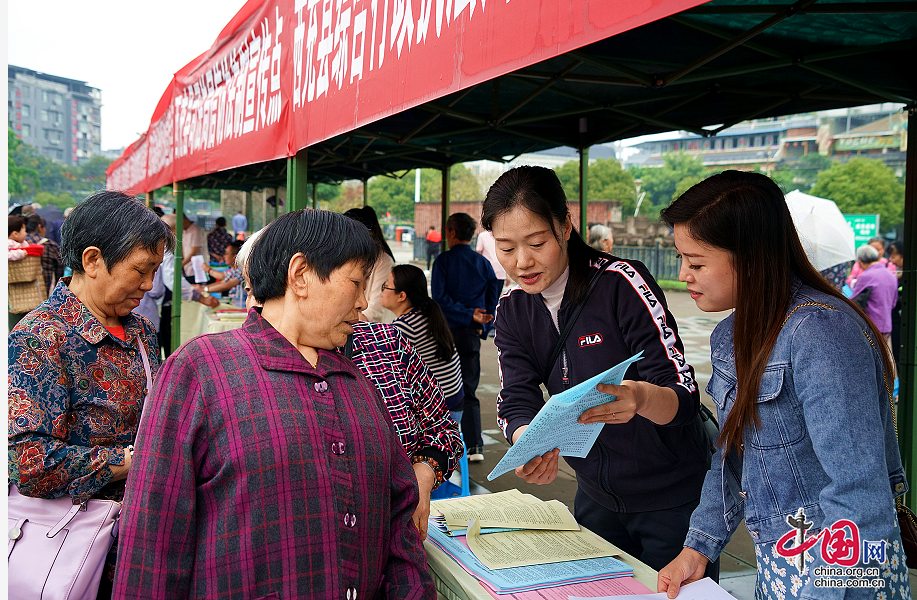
{"type": "Point", "coordinates": [503, 511]}
{"type": "Point", "coordinates": [514, 542]}
{"type": "Point", "coordinates": [531, 577]}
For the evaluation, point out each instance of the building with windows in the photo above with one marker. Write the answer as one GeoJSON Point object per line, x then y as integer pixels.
{"type": "Point", "coordinates": [874, 131]}
{"type": "Point", "coordinates": [60, 117]}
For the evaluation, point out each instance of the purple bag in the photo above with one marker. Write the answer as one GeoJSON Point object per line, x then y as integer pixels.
{"type": "Point", "coordinates": [57, 549]}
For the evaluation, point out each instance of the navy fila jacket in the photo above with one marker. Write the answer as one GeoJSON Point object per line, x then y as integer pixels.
{"type": "Point", "coordinates": [635, 466]}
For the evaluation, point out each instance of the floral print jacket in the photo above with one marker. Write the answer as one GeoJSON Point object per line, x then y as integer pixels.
{"type": "Point", "coordinates": [75, 397]}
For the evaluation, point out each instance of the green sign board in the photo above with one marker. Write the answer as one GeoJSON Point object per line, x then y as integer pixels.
{"type": "Point", "coordinates": [864, 227]}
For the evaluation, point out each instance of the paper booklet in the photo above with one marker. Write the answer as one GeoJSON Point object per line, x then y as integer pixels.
{"type": "Point", "coordinates": [510, 509]}
{"type": "Point", "coordinates": [555, 425]}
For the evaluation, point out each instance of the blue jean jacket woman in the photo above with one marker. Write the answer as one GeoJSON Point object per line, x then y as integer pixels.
{"type": "Point", "coordinates": [826, 445]}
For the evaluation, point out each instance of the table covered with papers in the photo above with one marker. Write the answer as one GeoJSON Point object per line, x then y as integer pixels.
{"type": "Point", "coordinates": [516, 547]}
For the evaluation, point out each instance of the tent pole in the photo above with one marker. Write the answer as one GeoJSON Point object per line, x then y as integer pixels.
{"type": "Point", "coordinates": [445, 205]}
{"type": "Point", "coordinates": [315, 195]}
{"type": "Point", "coordinates": [149, 200]}
{"type": "Point", "coordinates": [583, 195]}
{"type": "Point", "coordinates": [366, 191]}
{"type": "Point", "coordinates": [178, 189]}
{"type": "Point", "coordinates": [297, 184]}
{"type": "Point", "coordinates": [907, 375]}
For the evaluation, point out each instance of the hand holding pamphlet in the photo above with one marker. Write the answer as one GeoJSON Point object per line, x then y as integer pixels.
{"type": "Point", "coordinates": [556, 426]}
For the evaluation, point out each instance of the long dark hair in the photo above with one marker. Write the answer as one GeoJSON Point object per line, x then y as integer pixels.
{"type": "Point", "coordinates": [746, 215]}
{"type": "Point", "coordinates": [539, 190]}
{"type": "Point", "coordinates": [411, 280]}
{"type": "Point", "coordinates": [367, 216]}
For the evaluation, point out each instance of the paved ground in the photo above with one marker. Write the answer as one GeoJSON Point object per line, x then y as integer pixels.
{"type": "Point", "coordinates": [737, 570]}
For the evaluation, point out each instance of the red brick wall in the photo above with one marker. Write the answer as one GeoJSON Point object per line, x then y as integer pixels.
{"type": "Point", "coordinates": [428, 213]}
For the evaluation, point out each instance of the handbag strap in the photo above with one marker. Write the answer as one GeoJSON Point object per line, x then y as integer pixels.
{"type": "Point", "coordinates": [888, 388]}
{"type": "Point", "coordinates": [149, 378]}
{"type": "Point", "coordinates": [558, 348]}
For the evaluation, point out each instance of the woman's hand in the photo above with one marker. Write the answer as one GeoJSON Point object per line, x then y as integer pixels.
{"type": "Point", "coordinates": [687, 567]}
{"type": "Point", "coordinates": [541, 470]}
{"type": "Point", "coordinates": [425, 480]}
{"type": "Point", "coordinates": [656, 403]}
{"type": "Point", "coordinates": [119, 472]}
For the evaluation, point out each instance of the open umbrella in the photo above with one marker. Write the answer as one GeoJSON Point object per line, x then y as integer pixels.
{"type": "Point", "coordinates": [824, 232]}
{"type": "Point", "coordinates": [50, 213]}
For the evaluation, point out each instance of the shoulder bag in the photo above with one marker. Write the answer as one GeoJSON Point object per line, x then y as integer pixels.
{"type": "Point", "coordinates": [56, 548]}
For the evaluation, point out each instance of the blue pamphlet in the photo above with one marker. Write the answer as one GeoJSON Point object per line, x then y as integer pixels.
{"type": "Point", "coordinates": [555, 424]}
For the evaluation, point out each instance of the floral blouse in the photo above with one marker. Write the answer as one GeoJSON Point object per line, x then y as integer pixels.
{"type": "Point", "coordinates": [75, 397]}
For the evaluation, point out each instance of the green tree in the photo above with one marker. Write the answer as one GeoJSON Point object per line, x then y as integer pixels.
{"type": "Point", "coordinates": [19, 178]}
{"type": "Point", "coordinates": [663, 184]}
{"type": "Point", "coordinates": [395, 195]}
{"type": "Point", "coordinates": [92, 172]}
{"type": "Point", "coordinates": [607, 181]}
{"type": "Point", "coordinates": [801, 174]}
{"type": "Point", "coordinates": [863, 186]}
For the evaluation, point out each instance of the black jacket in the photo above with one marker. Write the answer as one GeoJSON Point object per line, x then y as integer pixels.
{"type": "Point", "coordinates": [636, 466]}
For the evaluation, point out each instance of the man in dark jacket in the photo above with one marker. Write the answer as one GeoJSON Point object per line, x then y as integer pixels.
{"type": "Point", "coordinates": [464, 285]}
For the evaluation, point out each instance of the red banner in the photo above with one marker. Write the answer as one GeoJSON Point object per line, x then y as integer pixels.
{"type": "Point", "coordinates": [286, 74]}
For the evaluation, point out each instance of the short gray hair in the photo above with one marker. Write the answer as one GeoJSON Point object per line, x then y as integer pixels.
{"type": "Point", "coordinates": [598, 233]}
{"type": "Point", "coordinates": [246, 249]}
{"type": "Point", "coordinates": [867, 254]}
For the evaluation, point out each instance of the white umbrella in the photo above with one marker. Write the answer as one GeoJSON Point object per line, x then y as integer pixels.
{"type": "Point", "coordinates": [824, 232]}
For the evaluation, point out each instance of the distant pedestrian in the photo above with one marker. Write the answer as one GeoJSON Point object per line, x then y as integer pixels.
{"type": "Point", "coordinates": [374, 311]}
{"type": "Point", "coordinates": [879, 244]}
{"type": "Point", "coordinates": [467, 289]}
{"type": "Point", "coordinates": [52, 268]}
{"type": "Point", "coordinates": [601, 239]}
{"type": "Point", "coordinates": [218, 240]}
{"type": "Point", "coordinates": [434, 244]}
{"type": "Point", "coordinates": [486, 247]}
{"type": "Point", "coordinates": [191, 244]}
{"type": "Point", "coordinates": [239, 225]}
{"type": "Point", "coordinates": [884, 289]}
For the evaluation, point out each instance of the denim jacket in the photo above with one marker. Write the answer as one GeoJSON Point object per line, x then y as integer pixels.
{"type": "Point", "coordinates": [826, 443]}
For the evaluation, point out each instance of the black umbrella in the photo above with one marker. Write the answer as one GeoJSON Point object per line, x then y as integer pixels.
{"type": "Point", "coordinates": [16, 209]}
{"type": "Point", "coordinates": [50, 213]}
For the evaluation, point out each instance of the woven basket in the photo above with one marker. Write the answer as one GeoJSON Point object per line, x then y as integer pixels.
{"type": "Point", "coordinates": [27, 295]}
{"type": "Point", "coordinates": [27, 269]}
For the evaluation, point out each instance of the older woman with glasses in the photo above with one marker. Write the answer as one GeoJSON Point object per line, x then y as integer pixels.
{"type": "Point", "coordinates": [267, 466]}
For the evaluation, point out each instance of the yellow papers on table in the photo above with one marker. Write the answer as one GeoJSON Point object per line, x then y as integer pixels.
{"type": "Point", "coordinates": [511, 509]}
{"type": "Point", "coordinates": [529, 547]}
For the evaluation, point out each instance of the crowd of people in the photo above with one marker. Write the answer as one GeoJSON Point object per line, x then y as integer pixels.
{"type": "Point", "coordinates": [296, 455]}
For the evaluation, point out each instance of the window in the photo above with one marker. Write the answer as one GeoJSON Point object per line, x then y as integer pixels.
{"type": "Point", "coordinates": [44, 114]}
{"type": "Point", "coordinates": [57, 99]}
{"type": "Point", "coordinates": [27, 130]}
{"type": "Point", "coordinates": [718, 144]}
{"type": "Point", "coordinates": [26, 91]}
{"type": "Point", "coordinates": [53, 136]}
{"type": "Point", "coordinates": [45, 96]}
{"type": "Point", "coordinates": [55, 117]}
{"type": "Point", "coordinates": [25, 111]}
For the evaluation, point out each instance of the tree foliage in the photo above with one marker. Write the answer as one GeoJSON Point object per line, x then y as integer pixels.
{"type": "Point", "coordinates": [32, 174]}
{"type": "Point", "coordinates": [664, 184]}
{"type": "Point", "coordinates": [19, 178]}
{"type": "Point", "coordinates": [863, 186]}
{"type": "Point", "coordinates": [800, 174]}
{"type": "Point", "coordinates": [607, 180]}
{"type": "Point", "coordinates": [395, 195]}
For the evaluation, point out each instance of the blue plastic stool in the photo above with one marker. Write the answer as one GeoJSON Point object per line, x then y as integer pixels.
{"type": "Point", "coordinates": [449, 489]}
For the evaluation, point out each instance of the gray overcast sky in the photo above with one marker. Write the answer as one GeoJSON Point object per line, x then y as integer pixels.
{"type": "Point", "coordinates": [127, 49]}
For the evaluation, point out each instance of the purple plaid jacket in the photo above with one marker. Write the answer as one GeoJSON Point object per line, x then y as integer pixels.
{"type": "Point", "coordinates": [257, 475]}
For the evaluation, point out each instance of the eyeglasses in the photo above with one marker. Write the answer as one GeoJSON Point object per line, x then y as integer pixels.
{"type": "Point", "coordinates": [387, 288]}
